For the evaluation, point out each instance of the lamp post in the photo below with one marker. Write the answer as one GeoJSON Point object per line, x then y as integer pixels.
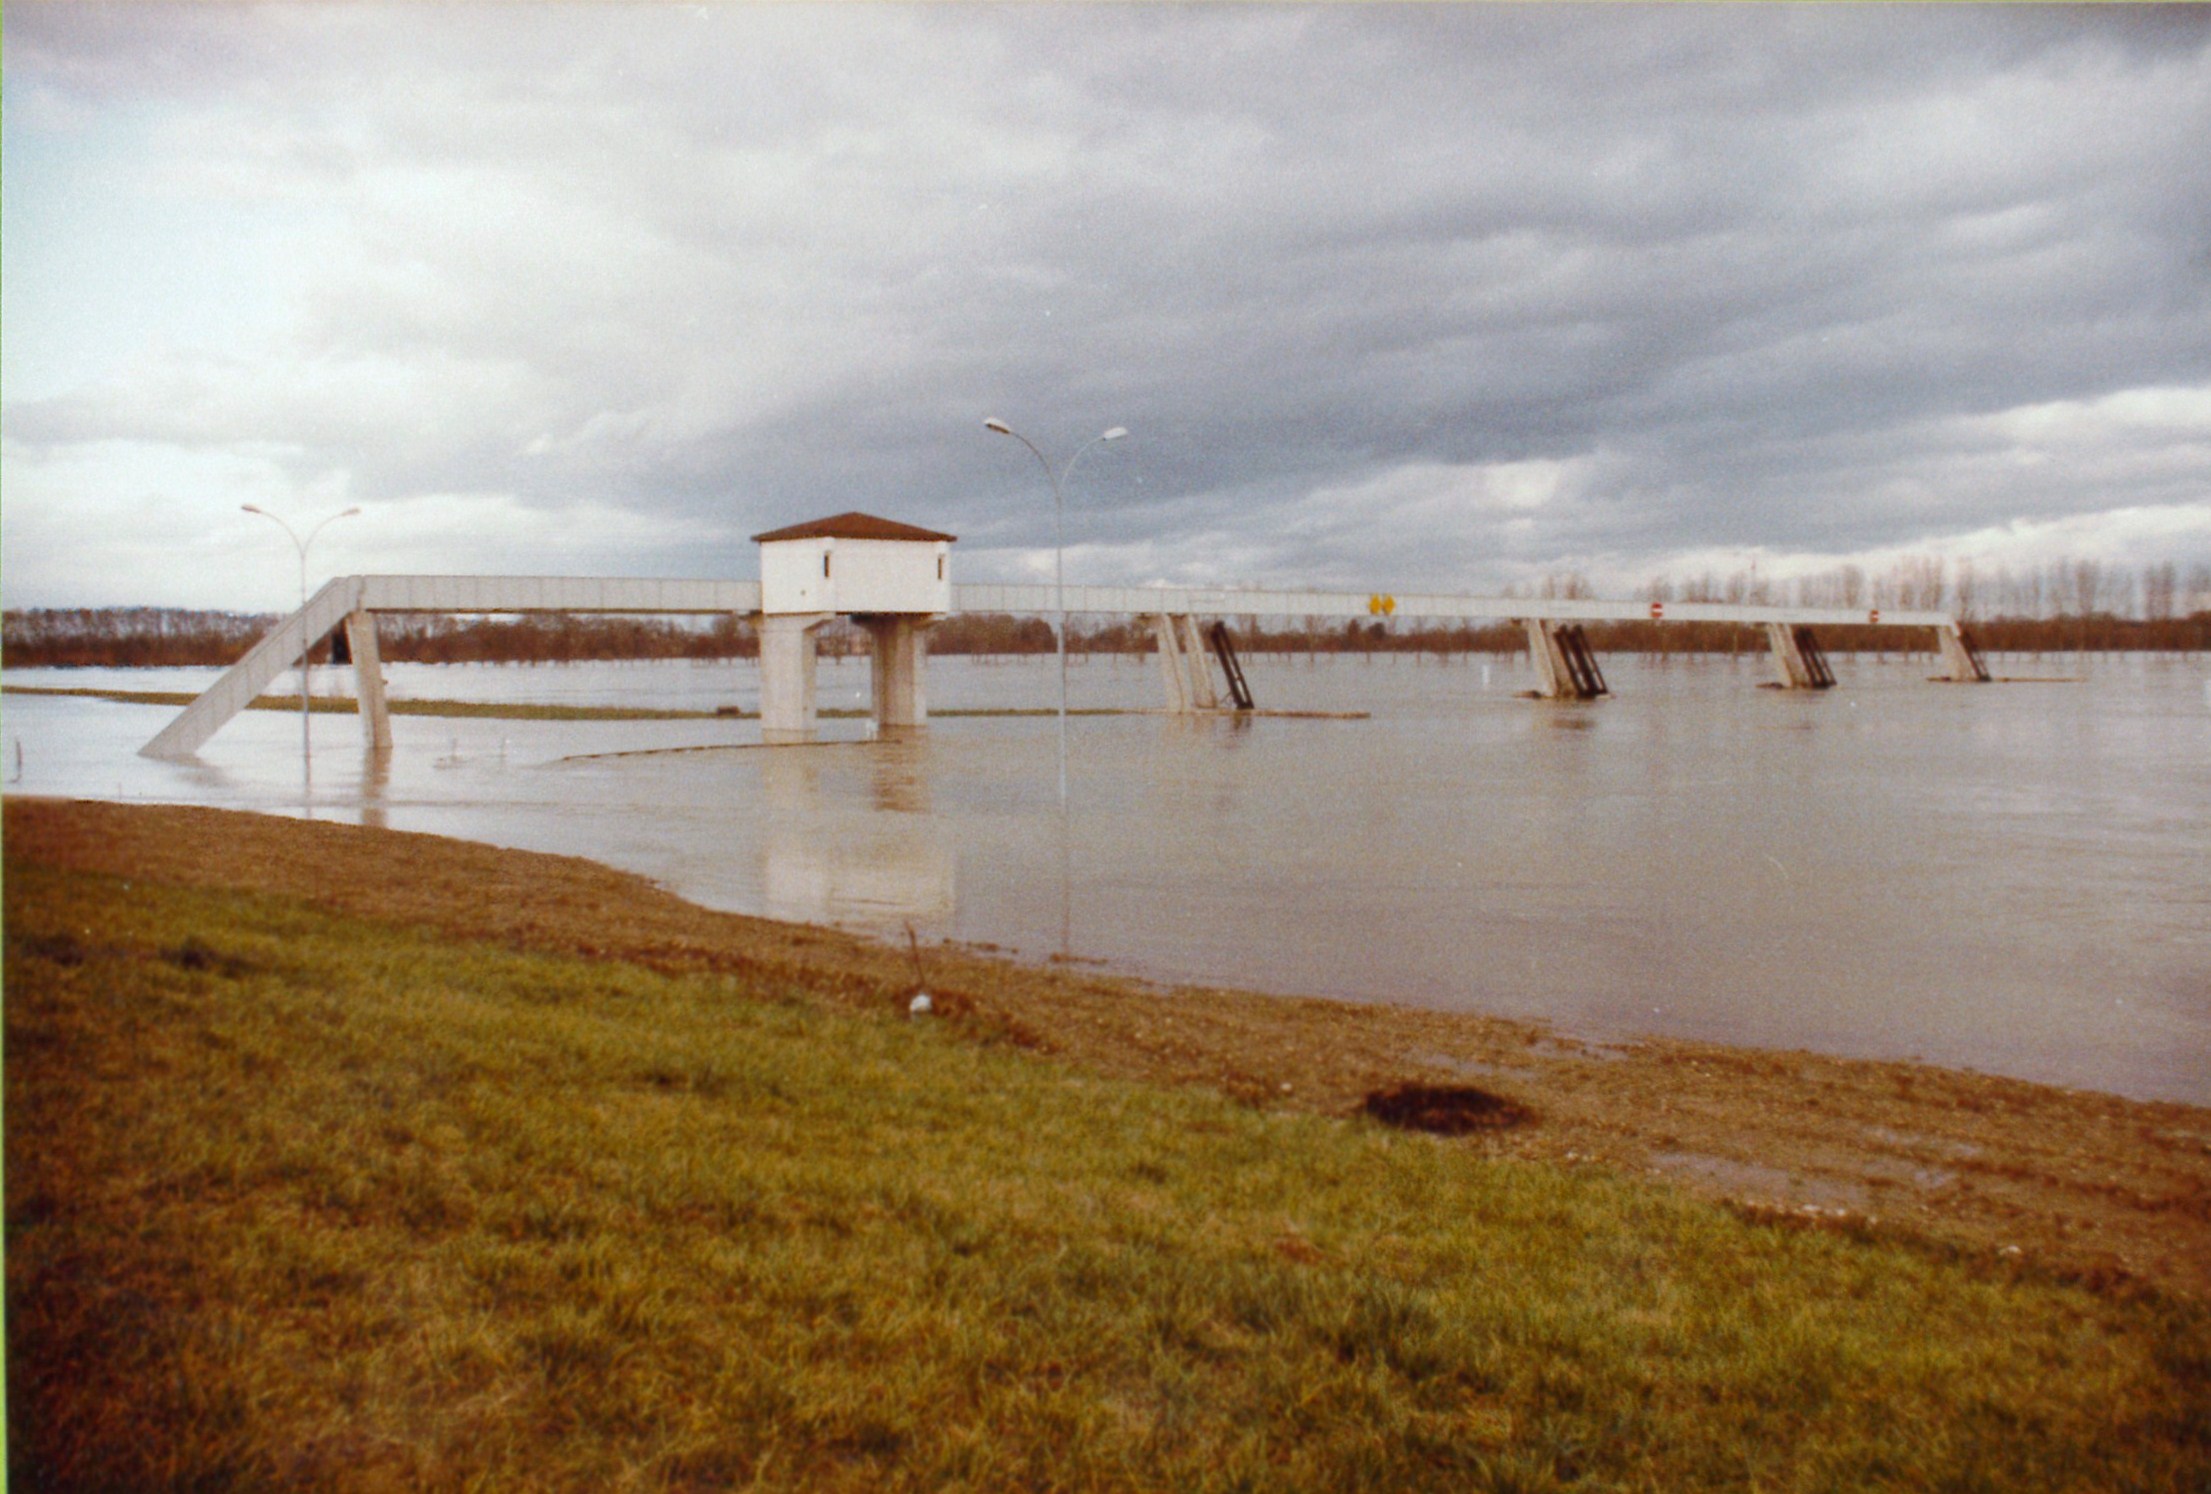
{"type": "Point", "coordinates": [1059, 560]}
{"type": "Point", "coordinates": [306, 647]}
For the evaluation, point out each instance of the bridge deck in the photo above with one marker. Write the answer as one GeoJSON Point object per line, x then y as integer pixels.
{"type": "Point", "coordinates": [644, 594]}
{"type": "Point", "coordinates": [1257, 602]}
{"type": "Point", "coordinates": [339, 598]}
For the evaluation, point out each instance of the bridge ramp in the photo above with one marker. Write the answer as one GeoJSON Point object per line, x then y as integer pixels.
{"type": "Point", "coordinates": [241, 684]}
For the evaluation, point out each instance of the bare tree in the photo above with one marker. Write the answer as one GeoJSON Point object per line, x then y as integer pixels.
{"type": "Point", "coordinates": [1919, 582]}
{"type": "Point", "coordinates": [1966, 587]}
{"type": "Point", "coordinates": [2085, 583]}
{"type": "Point", "coordinates": [2160, 590]}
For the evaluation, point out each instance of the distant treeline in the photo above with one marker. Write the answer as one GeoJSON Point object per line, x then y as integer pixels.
{"type": "Point", "coordinates": [147, 636]}
{"type": "Point", "coordinates": [152, 636]}
{"type": "Point", "coordinates": [128, 637]}
{"type": "Point", "coordinates": [558, 637]}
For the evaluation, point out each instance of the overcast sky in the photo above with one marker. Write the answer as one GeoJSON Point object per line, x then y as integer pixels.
{"type": "Point", "coordinates": [1433, 297]}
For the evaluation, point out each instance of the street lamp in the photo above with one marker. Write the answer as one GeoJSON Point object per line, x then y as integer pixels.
{"type": "Point", "coordinates": [1059, 561]}
{"type": "Point", "coordinates": [306, 645]}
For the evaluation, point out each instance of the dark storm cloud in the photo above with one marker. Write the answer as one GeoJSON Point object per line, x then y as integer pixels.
{"type": "Point", "coordinates": [1428, 292]}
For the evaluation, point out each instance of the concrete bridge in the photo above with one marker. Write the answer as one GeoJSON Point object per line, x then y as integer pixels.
{"type": "Point", "coordinates": [894, 581]}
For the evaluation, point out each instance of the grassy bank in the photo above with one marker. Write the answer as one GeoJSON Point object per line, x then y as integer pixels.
{"type": "Point", "coordinates": [302, 1198]}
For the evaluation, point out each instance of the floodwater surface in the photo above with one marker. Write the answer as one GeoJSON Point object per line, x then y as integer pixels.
{"type": "Point", "coordinates": [2013, 878]}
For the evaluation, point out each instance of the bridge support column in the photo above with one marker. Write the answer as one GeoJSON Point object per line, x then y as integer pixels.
{"type": "Point", "coordinates": [368, 680]}
{"type": "Point", "coordinates": [787, 711]}
{"type": "Point", "coordinates": [1962, 661]}
{"type": "Point", "coordinates": [1797, 660]}
{"type": "Point", "coordinates": [1203, 696]}
{"type": "Point", "coordinates": [901, 655]}
{"type": "Point", "coordinates": [1550, 665]}
{"type": "Point", "coordinates": [1565, 668]}
{"type": "Point", "coordinates": [1182, 664]}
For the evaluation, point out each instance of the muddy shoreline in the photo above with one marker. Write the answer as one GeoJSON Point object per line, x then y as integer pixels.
{"type": "Point", "coordinates": [2109, 1190]}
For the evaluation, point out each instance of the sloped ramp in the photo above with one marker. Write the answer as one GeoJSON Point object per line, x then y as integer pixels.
{"type": "Point", "coordinates": [241, 684]}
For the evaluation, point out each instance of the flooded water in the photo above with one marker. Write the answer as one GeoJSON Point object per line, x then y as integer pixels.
{"type": "Point", "coordinates": [2014, 878]}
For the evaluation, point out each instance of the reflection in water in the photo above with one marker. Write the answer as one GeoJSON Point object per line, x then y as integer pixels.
{"type": "Point", "coordinates": [900, 765]}
{"type": "Point", "coordinates": [306, 766]}
{"type": "Point", "coordinates": [824, 860]}
{"type": "Point", "coordinates": [876, 875]}
{"type": "Point", "coordinates": [1066, 884]}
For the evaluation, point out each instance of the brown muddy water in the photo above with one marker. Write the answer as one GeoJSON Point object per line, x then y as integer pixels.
{"type": "Point", "coordinates": [2013, 878]}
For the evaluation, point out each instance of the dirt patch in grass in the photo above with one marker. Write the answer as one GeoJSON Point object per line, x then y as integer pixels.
{"type": "Point", "coordinates": [1444, 1109]}
{"type": "Point", "coordinates": [2088, 1184]}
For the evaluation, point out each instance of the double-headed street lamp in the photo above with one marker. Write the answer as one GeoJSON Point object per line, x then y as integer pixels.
{"type": "Point", "coordinates": [1059, 561]}
{"type": "Point", "coordinates": [307, 645]}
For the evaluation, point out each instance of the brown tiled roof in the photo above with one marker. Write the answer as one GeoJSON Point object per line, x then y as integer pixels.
{"type": "Point", "coordinates": [853, 526]}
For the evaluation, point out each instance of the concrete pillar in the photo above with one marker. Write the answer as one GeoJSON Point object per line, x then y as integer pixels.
{"type": "Point", "coordinates": [1203, 696]}
{"type": "Point", "coordinates": [1554, 681]}
{"type": "Point", "coordinates": [1171, 672]}
{"type": "Point", "coordinates": [1564, 664]}
{"type": "Point", "coordinates": [900, 658]}
{"type": "Point", "coordinates": [1790, 667]}
{"type": "Point", "coordinates": [368, 681]}
{"type": "Point", "coordinates": [1959, 661]}
{"type": "Point", "coordinates": [1182, 664]}
{"type": "Point", "coordinates": [787, 675]}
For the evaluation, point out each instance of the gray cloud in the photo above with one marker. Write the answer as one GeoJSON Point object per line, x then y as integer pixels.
{"type": "Point", "coordinates": [1433, 294]}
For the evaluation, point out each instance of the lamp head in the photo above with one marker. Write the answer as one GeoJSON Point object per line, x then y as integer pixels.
{"type": "Point", "coordinates": [1115, 434]}
{"type": "Point", "coordinates": [999, 426]}
{"type": "Point", "coordinates": [255, 508]}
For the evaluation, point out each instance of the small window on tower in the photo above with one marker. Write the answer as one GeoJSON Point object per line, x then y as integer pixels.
{"type": "Point", "coordinates": [940, 567]}
{"type": "Point", "coordinates": [825, 564]}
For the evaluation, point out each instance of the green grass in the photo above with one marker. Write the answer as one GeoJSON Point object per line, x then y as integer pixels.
{"type": "Point", "coordinates": [297, 1201]}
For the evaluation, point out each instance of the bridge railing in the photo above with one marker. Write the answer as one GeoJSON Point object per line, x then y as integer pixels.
{"type": "Point", "coordinates": [1213, 601]}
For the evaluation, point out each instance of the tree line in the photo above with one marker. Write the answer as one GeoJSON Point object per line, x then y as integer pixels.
{"type": "Point", "coordinates": [2066, 605]}
{"type": "Point", "coordinates": [154, 636]}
